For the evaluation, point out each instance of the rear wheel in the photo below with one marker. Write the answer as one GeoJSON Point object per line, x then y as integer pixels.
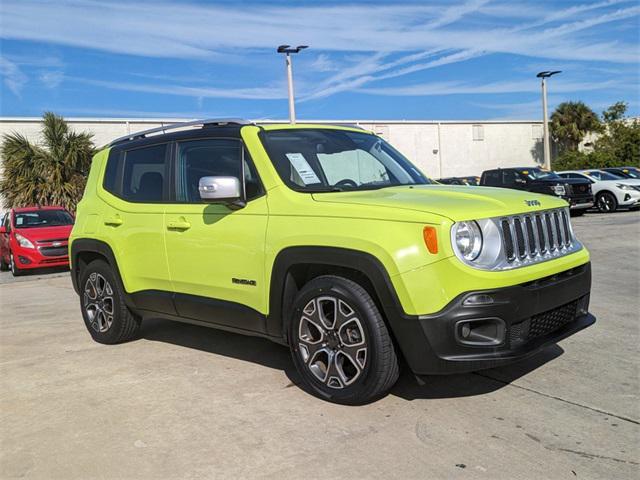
{"type": "Point", "coordinates": [105, 313]}
{"type": "Point", "coordinates": [607, 202]}
{"type": "Point", "coordinates": [340, 343]}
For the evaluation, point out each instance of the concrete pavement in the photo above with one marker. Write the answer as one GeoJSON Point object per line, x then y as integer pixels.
{"type": "Point", "coordinates": [191, 402]}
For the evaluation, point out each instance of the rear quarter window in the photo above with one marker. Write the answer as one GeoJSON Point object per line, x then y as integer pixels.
{"type": "Point", "coordinates": [139, 175]}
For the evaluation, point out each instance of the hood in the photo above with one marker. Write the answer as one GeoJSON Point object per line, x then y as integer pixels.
{"type": "Point", "coordinates": [45, 233]}
{"type": "Point", "coordinates": [451, 201]}
{"type": "Point", "coordinates": [561, 181]}
{"type": "Point", "coordinates": [626, 181]}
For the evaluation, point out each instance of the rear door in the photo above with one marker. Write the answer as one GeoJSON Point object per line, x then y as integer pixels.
{"type": "Point", "coordinates": [135, 190]}
{"type": "Point", "coordinates": [216, 253]}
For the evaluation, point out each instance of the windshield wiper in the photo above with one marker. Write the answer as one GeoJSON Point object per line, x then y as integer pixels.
{"type": "Point", "coordinates": [322, 190]}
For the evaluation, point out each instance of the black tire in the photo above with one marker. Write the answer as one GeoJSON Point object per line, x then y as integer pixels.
{"type": "Point", "coordinates": [108, 321]}
{"type": "Point", "coordinates": [358, 331]}
{"type": "Point", "coordinates": [606, 202]}
{"type": "Point", "coordinates": [4, 266]}
{"type": "Point", "coordinates": [15, 270]}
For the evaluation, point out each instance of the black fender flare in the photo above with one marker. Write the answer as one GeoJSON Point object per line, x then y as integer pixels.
{"type": "Point", "coordinates": [360, 261]}
{"type": "Point", "coordinates": [82, 245]}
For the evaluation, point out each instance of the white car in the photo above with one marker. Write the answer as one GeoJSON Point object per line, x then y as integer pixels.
{"type": "Point", "coordinates": [610, 191]}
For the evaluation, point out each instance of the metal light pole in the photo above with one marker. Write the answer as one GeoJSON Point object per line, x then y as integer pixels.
{"type": "Point", "coordinates": [288, 50]}
{"type": "Point", "coordinates": [545, 121]}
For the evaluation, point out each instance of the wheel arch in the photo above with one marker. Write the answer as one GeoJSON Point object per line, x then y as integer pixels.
{"type": "Point", "coordinates": [295, 266]}
{"type": "Point", "coordinates": [84, 251]}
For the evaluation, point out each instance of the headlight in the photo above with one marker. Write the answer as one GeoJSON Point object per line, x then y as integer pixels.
{"type": "Point", "coordinates": [622, 186]}
{"type": "Point", "coordinates": [558, 190]}
{"type": "Point", "coordinates": [24, 242]}
{"type": "Point", "coordinates": [468, 240]}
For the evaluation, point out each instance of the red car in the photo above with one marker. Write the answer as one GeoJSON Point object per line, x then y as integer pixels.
{"type": "Point", "coordinates": [34, 237]}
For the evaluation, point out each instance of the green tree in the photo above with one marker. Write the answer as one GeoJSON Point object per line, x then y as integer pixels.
{"type": "Point", "coordinates": [49, 173]}
{"type": "Point", "coordinates": [621, 139]}
{"type": "Point", "coordinates": [570, 122]}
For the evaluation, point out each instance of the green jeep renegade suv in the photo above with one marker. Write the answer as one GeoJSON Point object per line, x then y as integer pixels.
{"type": "Point", "coordinates": [325, 239]}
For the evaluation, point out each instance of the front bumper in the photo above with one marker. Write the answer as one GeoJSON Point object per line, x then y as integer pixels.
{"type": "Point", "coordinates": [522, 320]}
{"type": "Point", "coordinates": [581, 202]}
{"type": "Point", "coordinates": [630, 199]}
{"type": "Point", "coordinates": [29, 258]}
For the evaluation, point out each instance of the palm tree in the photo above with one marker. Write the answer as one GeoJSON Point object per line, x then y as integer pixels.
{"type": "Point", "coordinates": [51, 173]}
{"type": "Point", "coordinates": [570, 122]}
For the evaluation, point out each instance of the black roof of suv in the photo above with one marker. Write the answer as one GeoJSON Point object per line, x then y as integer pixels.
{"type": "Point", "coordinates": [577, 192]}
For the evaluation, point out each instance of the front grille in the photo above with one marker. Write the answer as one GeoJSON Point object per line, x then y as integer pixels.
{"type": "Point", "coordinates": [532, 237]}
{"type": "Point", "coordinates": [542, 324]}
{"type": "Point", "coordinates": [52, 240]}
{"type": "Point", "coordinates": [550, 321]}
{"type": "Point", "coordinates": [54, 251]}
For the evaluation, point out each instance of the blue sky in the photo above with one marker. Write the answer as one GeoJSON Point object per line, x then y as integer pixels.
{"type": "Point", "coordinates": [474, 59]}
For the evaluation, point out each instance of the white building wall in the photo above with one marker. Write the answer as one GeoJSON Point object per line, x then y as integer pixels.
{"type": "Point", "coordinates": [440, 149]}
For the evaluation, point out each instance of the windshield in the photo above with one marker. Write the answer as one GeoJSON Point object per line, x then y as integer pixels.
{"type": "Point", "coordinates": [43, 218]}
{"type": "Point", "coordinates": [325, 160]}
{"type": "Point", "coordinates": [539, 174]}
{"type": "Point", "coordinates": [631, 172]}
{"type": "Point", "coordinates": [601, 175]}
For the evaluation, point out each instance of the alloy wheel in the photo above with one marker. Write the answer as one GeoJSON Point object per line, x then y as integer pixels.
{"type": "Point", "coordinates": [332, 341]}
{"type": "Point", "coordinates": [606, 203]}
{"type": "Point", "coordinates": [98, 302]}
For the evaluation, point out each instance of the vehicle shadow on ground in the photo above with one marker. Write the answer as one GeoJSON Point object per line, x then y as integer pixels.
{"type": "Point", "coordinates": [470, 384]}
{"type": "Point", "coordinates": [271, 355]}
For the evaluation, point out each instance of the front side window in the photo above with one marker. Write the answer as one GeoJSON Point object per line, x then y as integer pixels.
{"type": "Point", "coordinates": [316, 160]}
{"type": "Point", "coordinates": [42, 218]}
{"type": "Point", "coordinates": [144, 174]}
{"type": "Point", "coordinates": [218, 157]}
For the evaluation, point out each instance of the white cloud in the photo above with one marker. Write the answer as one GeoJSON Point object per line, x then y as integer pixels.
{"type": "Point", "coordinates": [52, 79]}
{"type": "Point", "coordinates": [180, 30]}
{"type": "Point", "coordinates": [323, 63]}
{"type": "Point", "coordinates": [265, 93]}
{"type": "Point", "coordinates": [13, 77]}
{"type": "Point", "coordinates": [357, 44]}
{"type": "Point", "coordinates": [519, 86]}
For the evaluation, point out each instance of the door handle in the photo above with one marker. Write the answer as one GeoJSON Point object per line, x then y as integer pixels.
{"type": "Point", "coordinates": [178, 225]}
{"type": "Point", "coordinates": [113, 221]}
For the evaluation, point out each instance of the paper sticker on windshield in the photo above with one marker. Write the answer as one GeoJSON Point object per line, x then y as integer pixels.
{"type": "Point", "coordinates": [303, 168]}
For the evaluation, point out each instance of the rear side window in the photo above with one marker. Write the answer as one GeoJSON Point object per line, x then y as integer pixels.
{"type": "Point", "coordinates": [143, 174]}
{"type": "Point", "coordinates": [492, 178]}
{"type": "Point", "coordinates": [138, 175]}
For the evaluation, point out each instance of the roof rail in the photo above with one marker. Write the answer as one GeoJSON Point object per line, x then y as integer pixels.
{"type": "Point", "coordinates": [174, 126]}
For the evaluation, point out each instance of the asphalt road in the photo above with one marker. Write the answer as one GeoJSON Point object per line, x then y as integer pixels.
{"type": "Point", "coordinates": [190, 402]}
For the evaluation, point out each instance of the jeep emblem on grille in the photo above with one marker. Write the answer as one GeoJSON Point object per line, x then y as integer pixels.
{"type": "Point", "coordinates": [533, 203]}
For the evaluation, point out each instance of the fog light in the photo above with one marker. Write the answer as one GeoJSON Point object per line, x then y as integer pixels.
{"type": "Point", "coordinates": [24, 260]}
{"type": "Point", "coordinates": [478, 299]}
{"type": "Point", "coordinates": [480, 332]}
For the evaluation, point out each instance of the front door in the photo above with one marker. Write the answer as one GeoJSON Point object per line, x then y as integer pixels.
{"type": "Point", "coordinates": [216, 253]}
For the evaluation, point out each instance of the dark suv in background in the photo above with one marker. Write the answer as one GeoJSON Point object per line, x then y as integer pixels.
{"type": "Point", "coordinates": [576, 192]}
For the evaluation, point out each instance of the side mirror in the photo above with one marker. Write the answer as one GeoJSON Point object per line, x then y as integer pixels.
{"type": "Point", "coordinates": [221, 189]}
{"type": "Point", "coordinates": [3, 229]}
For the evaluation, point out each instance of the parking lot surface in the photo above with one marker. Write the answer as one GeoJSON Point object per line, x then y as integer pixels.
{"type": "Point", "coordinates": [190, 402]}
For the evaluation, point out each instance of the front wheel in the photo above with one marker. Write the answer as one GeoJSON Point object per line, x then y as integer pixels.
{"type": "Point", "coordinates": [607, 202]}
{"type": "Point", "coordinates": [15, 270]}
{"type": "Point", "coordinates": [339, 342]}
